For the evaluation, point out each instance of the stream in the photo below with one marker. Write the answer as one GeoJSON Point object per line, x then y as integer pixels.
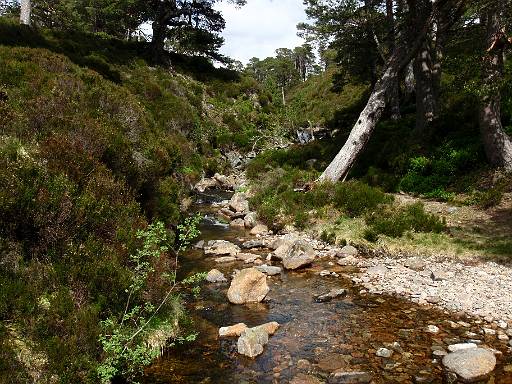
{"type": "Point", "coordinates": [314, 339]}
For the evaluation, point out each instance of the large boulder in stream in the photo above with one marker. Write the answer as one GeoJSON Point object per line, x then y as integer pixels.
{"type": "Point", "coordinates": [472, 364]}
{"type": "Point", "coordinates": [221, 248]}
{"type": "Point", "coordinates": [282, 245]}
{"type": "Point", "coordinates": [299, 255]}
{"type": "Point", "coordinates": [248, 286]}
{"type": "Point", "coordinates": [239, 203]}
{"type": "Point", "coordinates": [251, 341]}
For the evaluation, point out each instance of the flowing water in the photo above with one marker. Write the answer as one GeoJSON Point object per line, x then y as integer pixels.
{"type": "Point", "coordinates": [314, 338]}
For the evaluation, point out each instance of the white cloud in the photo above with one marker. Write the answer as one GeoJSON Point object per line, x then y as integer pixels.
{"type": "Point", "coordinates": [260, 27]}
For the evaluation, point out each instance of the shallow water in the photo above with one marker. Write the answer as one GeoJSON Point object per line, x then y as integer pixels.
{"type": "Point", "coordinates": [342, 334]}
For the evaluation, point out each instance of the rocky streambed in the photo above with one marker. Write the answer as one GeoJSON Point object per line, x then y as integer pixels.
{"type": "Point", "coordinates": [321, 314]}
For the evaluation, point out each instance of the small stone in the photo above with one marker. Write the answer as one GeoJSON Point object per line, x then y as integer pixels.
{"type": "Point", "coordinates": [438, 275]}
{"type": "Point", "coordinates": [415, 264]}
{"type": "Point", "coordinates": [379, 269]}
{"type": "Point", "coordinates": [221, 248]}
{"type": "Point", "coordinates": [439, 353]}
{"type": "Point", "coordinates": [303, 364]}
{"type": "Point", "coordinates": [259, 229]}
{"type": "Point", "coordinates": [247, 257]}
{"type": "Point", "coordinates": [232, 330]}
{"type": "Point", "coordinates": [345, 261]}
{"type": "Point", "coordinates": [250, 220]}
{"type": "Point", "coordinates": [269, 269]}
{"type": "Point", "coordinates": [489, 331]}
{"type": "Point", "coordinates": [237, 223]}
{"type": "Point", "coordinates": [225, 259]}
{"type": "Point", "coordinates": [332, 294]}
{"type": "Point", "coordinates": [215, 276]}
{"type": "Point", "coordinates": [384, 352]}
{"type": "Point", "coordinates": [461, 347]}
{"type": "Point", "coordinates": [503, 337]}
{"type": "Point", "coordinates": [253, 244]}
{"type": "Point", "coordinates": [199, 244]}
{"type": "Point", "coordinates": [302, 378]}
{"type": "Point", "coordinates": [502, 324]}
{"type": "Point", "coordinates": [342, 377]}
{"type": "Point", "coordinates": [432, 329]}
{"type": "Point", "coordinates": [348, 250]}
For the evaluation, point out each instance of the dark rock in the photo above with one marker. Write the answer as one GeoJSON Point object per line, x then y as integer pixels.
{"type": "Point", "coordinates": [332, 294]}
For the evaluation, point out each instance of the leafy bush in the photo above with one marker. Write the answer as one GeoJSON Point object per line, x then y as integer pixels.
{"type": "Point", "coordinates": [395, 221]}
{"type": "Point", "coordinates": [355, 198]}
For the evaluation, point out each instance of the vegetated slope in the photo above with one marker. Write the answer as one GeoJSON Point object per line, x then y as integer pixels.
{"type": "Point", "coordinates": [94, 144]}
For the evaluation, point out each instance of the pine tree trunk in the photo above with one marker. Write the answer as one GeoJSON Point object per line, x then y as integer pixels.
{"type": "Point", "coordinates": [361, 132]}
{"type": "Point", "coordinates": [363, 128]}
{"type": "Point", "coordinates": [498, 145]}
{"type": "Point", "coordinates": [425, 98]}
{"type": "Point", "coordinates": [26, 10]}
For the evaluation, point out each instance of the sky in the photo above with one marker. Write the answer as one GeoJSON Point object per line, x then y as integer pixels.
{"type": "Point", "coordinates": [260, 27]}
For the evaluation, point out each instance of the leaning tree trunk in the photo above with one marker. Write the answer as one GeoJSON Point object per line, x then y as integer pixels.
{"type": "Point", "coordinates": [363, 128]}
{"type": "Point", "coordinates": [372, 112]}
{"type": "Point", "coordinates": [26, 9]}
{"type": "Point", "coordinates": [497, 144]}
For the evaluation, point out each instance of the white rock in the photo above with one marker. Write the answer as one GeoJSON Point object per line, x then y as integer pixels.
{"type": "Point", "coordinates": [384, 352]}
{"type": "Point", "coordinates": [461, 346]}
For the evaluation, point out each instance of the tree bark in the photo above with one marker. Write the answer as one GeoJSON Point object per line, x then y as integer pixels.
{"type": "Point", "coordinates": [497, 144]}
{"type": "Point", "coordinates": [26, 10]}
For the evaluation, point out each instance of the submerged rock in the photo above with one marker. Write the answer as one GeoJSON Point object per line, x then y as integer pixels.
{"type": "Point", "coordinates": [470, 364]}
{"type": "Point", "coordinates": [215, 276]}
{"type": "Point", "coordinates": [225, 259]}
{"type": "Point", "coordinates": [269, 269]}
{"type": "Point", "coordinates": [332, 294]}
{"type": "Point", "coordinates": [299, 255]}
{"type": "Point", "coordinates": [247, 257]}
{"type": "Point", "coordinates": [302, 378]}
{"type": "Point", "coordinates": [253, 244]}
{"type": "Point", "coordinates": [248, 286]}
{"type": "Point", "coordinates": [342, 377]}
{"type": "Point", "coordinates": [221, 247]}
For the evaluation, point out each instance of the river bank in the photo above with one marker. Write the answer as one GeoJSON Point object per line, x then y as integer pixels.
{"type": "Point", "coordinates": [372, 330]}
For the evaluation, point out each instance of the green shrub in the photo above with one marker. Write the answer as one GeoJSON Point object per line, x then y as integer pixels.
{"type": "Point", "coordinates": [395, 221]}
{"type": "Point", "coordinates": [355, 198]}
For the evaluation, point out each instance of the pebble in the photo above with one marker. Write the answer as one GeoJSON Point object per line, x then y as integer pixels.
{"type": "Point", "coordinates": [432, 329]}
{"type": "Point", "coordinates": [461, 346]}
{"type": "Point", "coordinates": [384, 352]}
